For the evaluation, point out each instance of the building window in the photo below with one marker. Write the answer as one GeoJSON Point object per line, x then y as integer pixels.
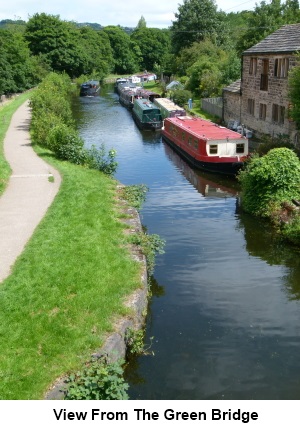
{"type": "Point", "coordinates": [213, 149]}
{"type": "Point", "coordinates": [278, 113]}
{"type": "Point", "coordinates": [262, 111]}
{"type": "Point", "coordinates": [281, 67]}
{"type": "Point", "coordinates": [251, 105]}
{"type": "Point", "coordinates": [253, 66]}
{"type": "Point", "coordinates": [264, 77]}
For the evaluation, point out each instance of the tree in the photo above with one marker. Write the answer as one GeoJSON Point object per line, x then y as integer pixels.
{"type": "Point", "coordinates": [57, 41]}
{"type": "Point", "coordinates": [124, 52]}
{"type": "Point", "coordinates": [195, 21]}
{"type": "Point", "coordinates": [142, 23]}
{"type": "Point", "coordinates": [16, 66]}
{"type": "Point", "coordinates": [267, 18]}
{"type": "Point", "coordinates": [154, 45]}
{"type": "Point", "coordinates": [97, 52]}
{"type": "Point", "coordinates": [294, 92]}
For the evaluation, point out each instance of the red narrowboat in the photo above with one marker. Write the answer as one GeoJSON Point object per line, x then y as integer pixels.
{"type": "Point", "coordinates": [206, 145]}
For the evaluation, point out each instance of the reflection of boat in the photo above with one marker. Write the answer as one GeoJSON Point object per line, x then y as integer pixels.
{"type": "Point", "coordinates": [200, 180]}
{"type": "Point", "coordinates": [146, 115]}
{"type": "Point", "coordinates": [206, 145]}
{"type": "Point", "coordinates": [89, 88]}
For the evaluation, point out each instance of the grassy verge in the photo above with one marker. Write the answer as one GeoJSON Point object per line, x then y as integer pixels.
{"type": "Point", "coordinates": [6, 112]}
{"type": "Point", "coordinates": [67, 287]}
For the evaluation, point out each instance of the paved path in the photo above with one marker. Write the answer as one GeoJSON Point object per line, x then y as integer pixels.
{"type": "Point", "coordinates": [28, 194]}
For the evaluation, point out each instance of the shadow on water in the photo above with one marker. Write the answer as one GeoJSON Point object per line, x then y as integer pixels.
{"type": "Point", "coordinates": [225, 312]}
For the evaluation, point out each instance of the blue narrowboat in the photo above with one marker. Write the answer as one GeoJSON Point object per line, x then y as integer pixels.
{"type": "Point", "coordinates": [89, 89]}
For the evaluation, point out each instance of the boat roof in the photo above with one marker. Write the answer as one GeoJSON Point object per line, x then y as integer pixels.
{"type": "Point", "coordinates": [168, 104]}
{"type": "Point", "coordinates": [91, 83]}
{"type": "Point", "coordinates": [145, 104]}
{"type": "Point", "coordinates": [203, 128]}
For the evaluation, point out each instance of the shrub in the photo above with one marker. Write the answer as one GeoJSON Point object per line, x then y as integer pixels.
{"type": "Point", "coordinates": [98, 159]}
{"type": "Point", "coordinates": [66, 143]}
{"type": "Point", "coordinates": [270, 180]}
{"type": "Point", "coordinates": [99, 380]}
{"type": "Point", "coordinates": [181, 97]}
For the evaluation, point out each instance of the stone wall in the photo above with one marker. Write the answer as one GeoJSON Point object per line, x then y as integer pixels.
{"type": "Point", "coordinates": [274, 92]}
{"type": "Point", "coordinates": [232, 106]}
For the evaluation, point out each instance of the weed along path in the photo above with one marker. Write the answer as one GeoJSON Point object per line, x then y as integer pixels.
{"type": "Point", "coordinates": [31, 189]}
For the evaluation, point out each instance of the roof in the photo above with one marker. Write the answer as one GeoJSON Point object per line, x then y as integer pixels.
{"type": "Point", "coordinates": [235, 87]}
{"type": "Point", "coordinates": [284, 40]}
{"type": "Point", "coordinates": [174, 84]}
{"type": "Point", "coordinates": [204, 129]}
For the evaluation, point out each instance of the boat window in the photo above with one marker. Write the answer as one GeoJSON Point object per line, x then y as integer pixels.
{"type": "Point", "coordinates": [190, 140]}
{"type": "Point", "coordinates": [183, 136]}
{"type": "Point", "coordinates": [213, 149]}
{"type": "Point", "coordinates": [240, 148]}
{"type": "Point", "coordinates": [196, 143]}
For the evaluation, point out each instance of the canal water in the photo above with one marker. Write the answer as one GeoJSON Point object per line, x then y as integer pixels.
{"type": "Point", "coordinates": [224, 316]}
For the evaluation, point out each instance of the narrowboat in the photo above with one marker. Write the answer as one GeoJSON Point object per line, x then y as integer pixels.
{"type": "Point", "coordinates": [89, 89]}
{"type": "Point", "coordinates": [147, 94]}
{"type": "Point", "coordinates": [168, 108]}
{"type": "Point", "coordinates": [146, 115]}
{"type": "Point", "coordinates": [206, 145]}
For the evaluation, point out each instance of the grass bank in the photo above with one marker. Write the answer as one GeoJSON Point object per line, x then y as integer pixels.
{"type": "Point", "coordinates": [67, 287]}
{"type": "Point", "coordinates": [6, 112]}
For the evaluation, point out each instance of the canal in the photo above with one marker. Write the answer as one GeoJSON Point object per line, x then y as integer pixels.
{"type": "Point", "coordinates": [224, 316]}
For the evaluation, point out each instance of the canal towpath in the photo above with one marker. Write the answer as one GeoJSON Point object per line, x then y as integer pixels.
{"type": "Point", "coordinates": [32, 187]}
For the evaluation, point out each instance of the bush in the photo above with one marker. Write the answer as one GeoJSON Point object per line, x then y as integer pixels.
{"type": "Point", "coordinates": [99, 380]}
{"type": "Point", "coordinates": [270, 180]}
{"type": "Point", "coordinates": [98, 159]}
{"type": "Point", "coordinates": [269, 142]}
{"type": "Point", "coordinates": [181, 97]}
{"type": "Point", "coordinates": [66, 144]}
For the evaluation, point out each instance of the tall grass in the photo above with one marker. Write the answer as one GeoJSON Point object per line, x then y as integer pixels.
{"type": "Point", "coordinates": [67, 287]}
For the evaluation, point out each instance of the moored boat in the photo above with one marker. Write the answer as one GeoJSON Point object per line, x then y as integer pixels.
{"type": "Point", "coordinates": [168, 108]}
{"type": "Point", "coordinates": [206, 145]}
{"type": "Point", "coordinates": [147, 115]}
{"type": "Point", "coordinates": [89, 88]}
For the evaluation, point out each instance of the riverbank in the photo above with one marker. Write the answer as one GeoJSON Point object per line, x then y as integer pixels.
{"type": "Point", "coordinates": [68, 289]}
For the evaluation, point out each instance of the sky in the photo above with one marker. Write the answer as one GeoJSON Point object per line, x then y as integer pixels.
{"type": "Point", "coordinates": [126, 13]}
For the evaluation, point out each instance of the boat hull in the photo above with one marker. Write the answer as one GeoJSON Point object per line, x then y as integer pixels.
{"type": "Point", "coordinates": [89, 89]}
{"type": "Point", "coordinates": [154, 125]}
{"type": "Point", "coordinates": [224, 168]}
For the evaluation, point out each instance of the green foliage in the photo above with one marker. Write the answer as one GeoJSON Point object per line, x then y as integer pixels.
{"type": "Point", "coordinates": [181, 97]}
{"type": "Point", "coordinates": [291, 230]}
{"type": "Point", "coordinates": [16, 66]}
{"type": "Point", "coordinates": [151, 245]}
{"type": "Point", "coordinates": [154, 45]}
{"type": "Point", "coordinates": [135, 195]}
{"type": "Point", "coordinates": [52, 126]}
{"type": "Point", "coordinates": [65, 142]}
{"type": "Point", "coordinates": [269, 142]}
{"type": "Point", "coordinates": [98, 380]}
{"type": "Point", "coordinates": [294, 92]}
{"type": "Point", "coordinates": [135, 342]}
{"type": "Point", "coordinates": [270, 180]}
{"type": "Point", "coordinates": [267, 18]}
{"type": "Point", "coordinates": [124, 52]}
{"type": "Point", "coordinates": [98, 159]}
{"type": "Point", "coordinates": [195, 21]}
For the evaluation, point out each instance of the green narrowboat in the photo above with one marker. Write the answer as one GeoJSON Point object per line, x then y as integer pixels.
{"type": "Point", "coordinates": [146, 115]}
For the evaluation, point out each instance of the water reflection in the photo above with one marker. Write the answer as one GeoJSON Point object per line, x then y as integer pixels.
{"type": "Point", "coordinates": [225, 311]}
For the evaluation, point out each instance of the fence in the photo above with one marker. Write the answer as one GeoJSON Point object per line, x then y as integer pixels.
{"type": "Point", "coordinates": [213, 105]}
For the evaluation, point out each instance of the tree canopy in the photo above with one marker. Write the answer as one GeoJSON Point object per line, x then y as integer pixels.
{"type": "Point", "coordinates": [195, 21]}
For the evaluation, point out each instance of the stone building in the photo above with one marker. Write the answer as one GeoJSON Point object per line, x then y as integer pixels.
{"type": "Point", "coordinates": [261, 102]}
